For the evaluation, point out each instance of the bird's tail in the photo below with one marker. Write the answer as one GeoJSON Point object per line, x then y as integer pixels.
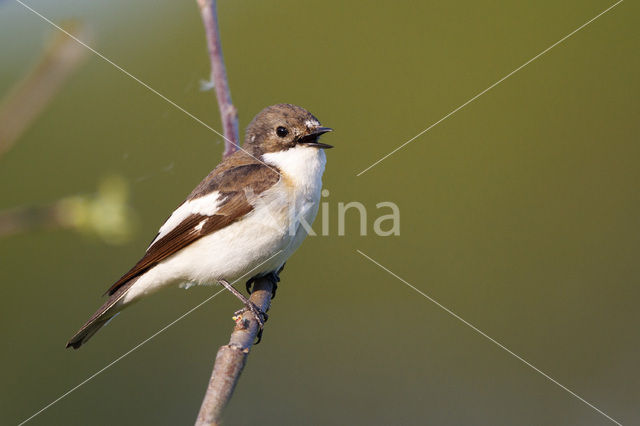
{"type": "Point", "coordinates": [101, 317]}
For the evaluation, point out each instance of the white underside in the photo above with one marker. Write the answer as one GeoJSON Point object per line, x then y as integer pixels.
{"type": "Point", "coordinates": [259, 243]}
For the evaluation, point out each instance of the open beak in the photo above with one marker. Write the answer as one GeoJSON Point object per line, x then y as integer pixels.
{"type": "Point", "coordinates": [312, 138]}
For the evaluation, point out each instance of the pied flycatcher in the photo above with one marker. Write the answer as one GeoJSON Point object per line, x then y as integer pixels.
{"type": "Point", "coordinates": [247, 216]}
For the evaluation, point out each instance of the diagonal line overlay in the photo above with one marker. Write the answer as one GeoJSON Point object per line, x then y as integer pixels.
{"type": "Point", "coordinates": [485, 335]}
{"type": "Point", "coordinates": [142, 83]}
{"type": "Point", "coordinates": [489, 88]}
{"type": "Point", "coordinates": [163, 329]}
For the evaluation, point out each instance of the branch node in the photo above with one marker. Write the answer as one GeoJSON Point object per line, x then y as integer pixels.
{"type": "Point", "coordinates": [232, 357]}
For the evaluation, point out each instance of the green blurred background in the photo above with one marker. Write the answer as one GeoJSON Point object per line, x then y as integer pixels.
{"type": "Point", "coordinates": [520, 213]}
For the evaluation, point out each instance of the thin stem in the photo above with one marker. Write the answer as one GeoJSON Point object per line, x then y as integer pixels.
{"type": "Point", "coordinates": [231, 358]}
{"type": "Point", "coordinates": [228, 113]}
{"type": "Point", "coordinates": [31, 95]}
{"type": "Point", "coordinates": [22, 219]}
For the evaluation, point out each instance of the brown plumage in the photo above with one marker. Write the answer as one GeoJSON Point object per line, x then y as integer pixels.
{"type": "Point", "coordinates": [240, 168]}
{"type": "Point", "coordinates": [236, 176]}
{"type": "Point", "coordinates": [234, 206]}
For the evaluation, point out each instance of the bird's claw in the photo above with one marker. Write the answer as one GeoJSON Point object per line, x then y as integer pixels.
{"type": "Point", "coordinates": [249, 283]}
{"type": "Point", "coordinates": [260, 316]}
{"type": "Point", "coordinates": [273, 276]}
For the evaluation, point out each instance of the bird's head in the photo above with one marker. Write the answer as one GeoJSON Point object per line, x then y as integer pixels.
{"type": "Point", "coordinates": [284, 126]}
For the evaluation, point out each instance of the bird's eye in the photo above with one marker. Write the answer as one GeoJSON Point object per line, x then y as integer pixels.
{"type": "Point", "coordinates": [282, 131]}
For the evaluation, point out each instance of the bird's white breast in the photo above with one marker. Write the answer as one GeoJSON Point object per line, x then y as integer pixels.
{"type": "Point", "coordinates": [301, 168]}
{"type": "Point", "coordinates": [258, 243]}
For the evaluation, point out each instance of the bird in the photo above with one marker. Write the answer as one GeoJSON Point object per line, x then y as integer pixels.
{"type": "Point", "coordinates": [247, 216]}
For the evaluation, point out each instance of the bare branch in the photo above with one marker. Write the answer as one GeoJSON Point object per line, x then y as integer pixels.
{"type": "Point", "coordinates": [32, 94]}
{"type": "Point", "coordinates": [21, 219]}
{"type": "Point", "coordinates": [228, 113]}
{"type": "Point", "coordinates": [105, 214]}
{"type": "Point", "coordinates": [231, 358]}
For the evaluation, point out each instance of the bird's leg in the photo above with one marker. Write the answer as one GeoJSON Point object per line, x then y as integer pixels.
{"type": "Point", "coordinates": [273, 289]}
{"type": "Point", "coordinates": [275, 279]}
{"type": "Point", "coordinates": [261, 317]}
{"type": "Point", "coordinates": [273, 276]}
{"type": "Point", "coordinates": [249, 284]}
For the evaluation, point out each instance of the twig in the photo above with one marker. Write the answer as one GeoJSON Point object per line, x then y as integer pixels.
{"type": "Point", "coordinates": [228, 112]}
{"type": "Point", "coordinates": [231, 358]}
{"type": "Point", "coordinates": [105, 214]}
{"type": "Point", "coordinates": [32, 94]}
{"type": "Point", "coordinates": [21, 219]}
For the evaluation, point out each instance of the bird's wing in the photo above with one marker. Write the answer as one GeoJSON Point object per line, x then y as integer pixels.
{"type": "Point", "coordinates": [219, 200]}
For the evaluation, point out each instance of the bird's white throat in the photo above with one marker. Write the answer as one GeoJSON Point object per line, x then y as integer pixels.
{"type": "Point", "coordinates": [303, 165]}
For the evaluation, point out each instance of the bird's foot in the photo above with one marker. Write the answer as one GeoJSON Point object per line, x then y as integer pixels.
{"type": "Point", "coordinates": [273, 276]}
{"type": "Point", "coordinates": [249, 284]}
{"type": "Point", "coordinates": [260, 316]}
{"type": "Point", "coordinates": [249, 306]}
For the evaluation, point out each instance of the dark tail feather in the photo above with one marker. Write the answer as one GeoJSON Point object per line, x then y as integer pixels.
{"type": "Point", "coordinates": [100, 318]}
{"type": "Point", "coordinates": [87, 330]}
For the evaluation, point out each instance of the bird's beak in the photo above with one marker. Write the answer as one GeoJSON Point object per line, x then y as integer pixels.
{"type": "Point", "coordinates": [311, 139]}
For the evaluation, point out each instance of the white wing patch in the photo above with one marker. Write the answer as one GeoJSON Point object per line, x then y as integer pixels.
{"type": "Point", "coordinates": [206, 205]}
